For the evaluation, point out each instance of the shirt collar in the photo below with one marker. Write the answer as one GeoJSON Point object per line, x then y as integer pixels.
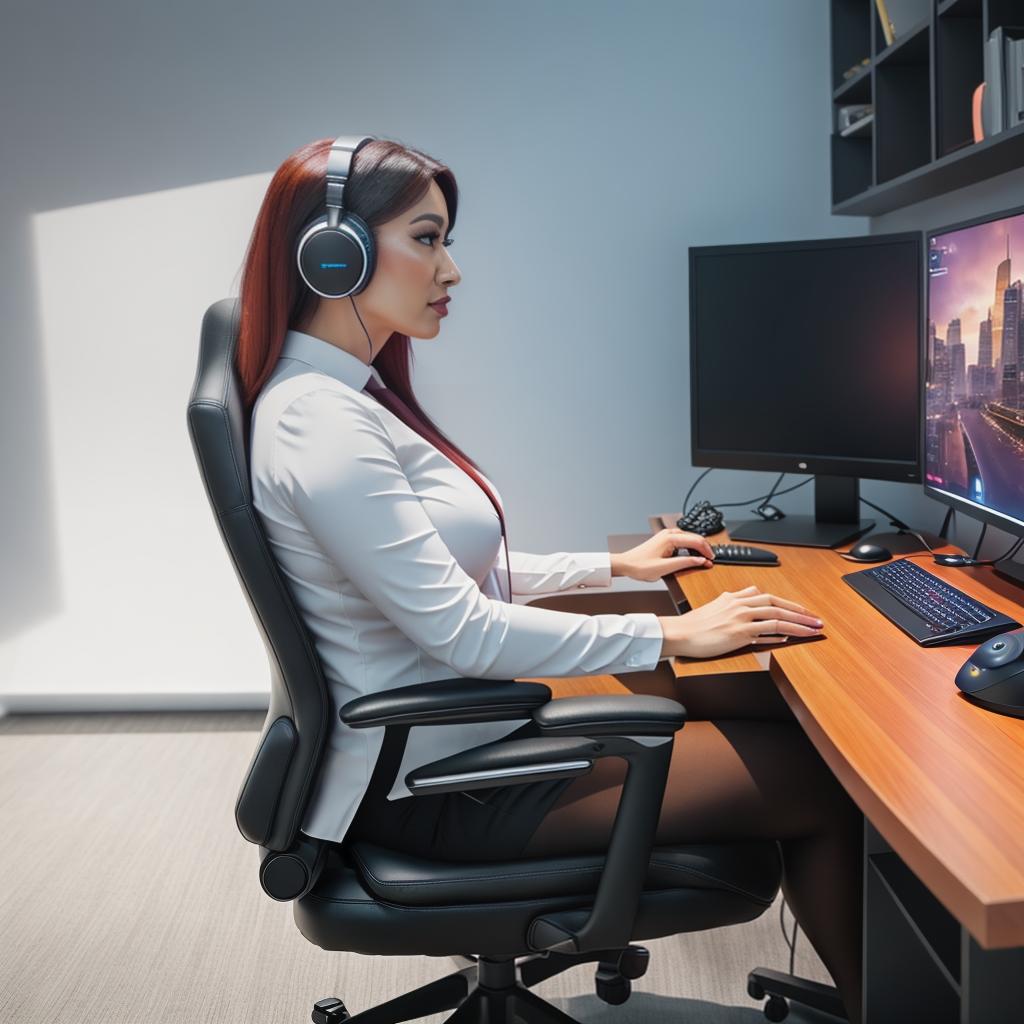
{"type": "Point", "coordinates": [328, 358]}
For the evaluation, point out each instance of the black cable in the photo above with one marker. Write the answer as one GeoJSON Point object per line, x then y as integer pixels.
{"type": "Point", "coordinates": [759, 508]}
{"type": "Point", "coordinates": [898, 523]}
{"type": "Point", "coordinates": [893, 521]}
{"type": "Point", "coordinates": [733, 504]}
{"type": "Point", "coordinates": [790, 942]}
{"type": "Point", "coordinates": [981, 537]}
{"type": "Point", "coordinates": [1009, 554]}
{"type": "Point", "coordinates": [686, 500]}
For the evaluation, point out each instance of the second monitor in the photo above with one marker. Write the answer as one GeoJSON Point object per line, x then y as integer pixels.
{"type": "Point", "coordinates": [805, 357]}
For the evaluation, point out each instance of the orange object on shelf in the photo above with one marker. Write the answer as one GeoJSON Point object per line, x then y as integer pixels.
{"type": "Point", "coordinates": [979, 127]}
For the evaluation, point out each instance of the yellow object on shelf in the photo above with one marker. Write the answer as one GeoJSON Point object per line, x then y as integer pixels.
{"type": "Point", "coordinates": [888, 28]}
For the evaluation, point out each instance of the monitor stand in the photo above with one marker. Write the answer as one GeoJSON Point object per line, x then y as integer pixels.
{"type": "Point", "coordinates": [835, 521]}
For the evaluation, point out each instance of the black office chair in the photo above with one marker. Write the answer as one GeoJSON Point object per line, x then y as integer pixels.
{"type": "Point", "coordinates": [513, 923]}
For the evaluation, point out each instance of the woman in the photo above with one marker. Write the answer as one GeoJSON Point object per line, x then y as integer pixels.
{"type": "Point", "coordinates": [391, 540]}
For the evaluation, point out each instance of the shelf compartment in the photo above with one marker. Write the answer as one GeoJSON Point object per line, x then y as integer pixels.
{"type": "Point", "coordinates": [851, 166]}
{"type": "Point", "coordinates": [996, 155]}
{"type": "Point", "coordinates": [856, 89]}
{"type": "Point", "coordinates": [958, 54]}
{"type": "Point", "coordinates": [918, 10]}
{"type": "Point", "coordinates": [1004, 14]}
{"type": "Point", "coordinates": [903, 113]}
{"type": "Point", "coordinates": [961, 8]}
{"type": "Point", "coordinates": [851, 37]}
{"type": "Point", "coordinates": [909, 48]}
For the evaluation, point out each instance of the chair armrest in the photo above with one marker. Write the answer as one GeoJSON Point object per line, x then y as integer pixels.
{"type": "Point", "coordinates": [635, 715]}
{"type": "Point", "coordinates": [444, 701]}
{"type": "Point", "coordinates": [506, 762]}
{"type": "Point", "coordinates": [512, 762]}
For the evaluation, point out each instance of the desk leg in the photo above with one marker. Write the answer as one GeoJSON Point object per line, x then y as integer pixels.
{"type": "Point", "coordinates": [904, 978]}
{"type": "Point", "coordinates": [993, 983]}
{"type": "Point", "coordinates": [919, 963]}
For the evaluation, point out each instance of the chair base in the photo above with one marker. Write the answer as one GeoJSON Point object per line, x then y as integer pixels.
{"type": "Point", "coordinates": [782, 989]}
{"type": "Point", "coordinates": [494, 991]}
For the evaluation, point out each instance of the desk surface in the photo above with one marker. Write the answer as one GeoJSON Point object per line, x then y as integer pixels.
{"type": "Point", "coordinates": [940, 778]}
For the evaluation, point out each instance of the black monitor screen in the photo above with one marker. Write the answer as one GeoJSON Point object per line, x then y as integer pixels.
{"type": "Point", "coordinates": [974, 399]}
{"type": "Point", "coordinates": [807, 355]}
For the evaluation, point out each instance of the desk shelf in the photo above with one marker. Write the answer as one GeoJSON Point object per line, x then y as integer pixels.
{"type": "Point", "coordinates": [921, 87]}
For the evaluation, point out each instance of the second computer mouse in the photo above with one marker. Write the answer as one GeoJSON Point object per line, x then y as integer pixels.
{"type": "Point", "coordinates": [993, 676]}
{"type": "Point", "coordinates": [867, 552]}
{"type": "Point", "coordinates": [956, 561]}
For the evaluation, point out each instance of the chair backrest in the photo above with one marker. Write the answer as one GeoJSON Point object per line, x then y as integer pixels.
{"type": "Point", "coordinates": [277, 786]}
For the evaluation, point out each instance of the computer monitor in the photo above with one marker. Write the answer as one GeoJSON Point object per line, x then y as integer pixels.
{"type": "Point", "coordinates": [974, 357]}
{"type": "Point", "coordinates": [805, 357]}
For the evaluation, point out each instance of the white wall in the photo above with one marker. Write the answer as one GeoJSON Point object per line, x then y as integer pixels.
{"type": "Point", "coordinates": [593, 143]}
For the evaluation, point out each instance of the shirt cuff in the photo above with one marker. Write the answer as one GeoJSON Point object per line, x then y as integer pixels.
{"type": "Point", "coordinates": [599, 565]}
{"type": "Point", "coordinates": [645, 650]}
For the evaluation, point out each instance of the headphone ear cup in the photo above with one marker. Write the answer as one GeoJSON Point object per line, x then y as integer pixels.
{"type": "Point", "coordinates": [336, 262]}
{"type": "Point", "coordinates": [361, 230]}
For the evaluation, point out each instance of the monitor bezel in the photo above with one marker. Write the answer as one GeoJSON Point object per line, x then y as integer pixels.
{"type": "Point", "coordinates": [902, 471]}
{"type": "Point", "coordinates": [1000, 520]}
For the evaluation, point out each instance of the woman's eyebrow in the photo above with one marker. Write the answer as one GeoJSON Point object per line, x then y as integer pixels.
{"type": "Point", "coordinates": [428, 216]}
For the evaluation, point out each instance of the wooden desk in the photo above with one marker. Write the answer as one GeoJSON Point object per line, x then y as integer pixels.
{"type": "Point", "coordinates": [939, 778]}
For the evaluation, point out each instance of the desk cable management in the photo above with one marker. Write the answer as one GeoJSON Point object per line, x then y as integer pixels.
{"type": "Point", "coordinates": [705, 518]}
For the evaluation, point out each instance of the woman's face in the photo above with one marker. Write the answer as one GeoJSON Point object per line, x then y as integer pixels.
{"type": "Point", "coordinates": [413, 269]}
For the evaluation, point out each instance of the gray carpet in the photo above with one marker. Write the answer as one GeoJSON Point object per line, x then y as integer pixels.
{"type": "Point", "coordinates": [129, 896]}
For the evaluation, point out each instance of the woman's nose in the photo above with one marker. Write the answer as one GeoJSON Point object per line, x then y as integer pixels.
{"type": "Point", "coordinates": [451, 273]}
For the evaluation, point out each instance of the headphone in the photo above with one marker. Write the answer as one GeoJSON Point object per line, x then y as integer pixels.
{"type": "Point", "coordinates": [336, 253]}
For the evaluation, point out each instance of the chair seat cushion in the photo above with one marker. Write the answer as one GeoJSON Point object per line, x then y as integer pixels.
{"type": "Point", "coordinates": [750, 870]}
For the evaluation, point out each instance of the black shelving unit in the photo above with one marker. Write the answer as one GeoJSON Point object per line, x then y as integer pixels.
{"type": "Point", "coordinates": [920, 141]}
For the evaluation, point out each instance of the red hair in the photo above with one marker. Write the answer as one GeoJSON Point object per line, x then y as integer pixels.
{"type": "Point", "coordinates": [385, 179]}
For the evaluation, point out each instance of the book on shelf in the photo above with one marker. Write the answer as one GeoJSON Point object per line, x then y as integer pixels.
{"type": "Point", "coordinates": [1002, 101]}
{"type": "Point", "coordinates": [888, 29]}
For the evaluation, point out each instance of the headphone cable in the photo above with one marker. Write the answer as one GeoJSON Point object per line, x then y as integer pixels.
{"type": "Point", "coordinates": [352, 299]}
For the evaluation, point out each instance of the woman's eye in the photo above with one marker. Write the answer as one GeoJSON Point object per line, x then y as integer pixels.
{"type": "Point", "coordinates": [446, 242]}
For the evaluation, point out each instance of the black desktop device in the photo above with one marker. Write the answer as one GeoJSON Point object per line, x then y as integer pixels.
{"type": "Point", "coordinates": [805, 357]}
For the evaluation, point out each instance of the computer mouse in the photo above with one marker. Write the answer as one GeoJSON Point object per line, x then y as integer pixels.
{"type": "Point", "coordinates": [867, 552]}
{"type": "Point", "coordinates": [993, 676]}
{"type": "Point", "coordinates": [956, 561]}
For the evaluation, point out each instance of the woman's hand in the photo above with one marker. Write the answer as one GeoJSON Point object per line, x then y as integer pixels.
{"type": "Point", "coordinates": [656, 557]}
{"type": "Point", "coordinates": [735, 619]}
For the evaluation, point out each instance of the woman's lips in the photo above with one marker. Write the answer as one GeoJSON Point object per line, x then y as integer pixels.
{"type": "Point", "coordinates": [440, 308]}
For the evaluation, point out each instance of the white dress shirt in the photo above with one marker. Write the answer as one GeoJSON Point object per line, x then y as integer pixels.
{"type": "Point", "coordinates": [394, 557]}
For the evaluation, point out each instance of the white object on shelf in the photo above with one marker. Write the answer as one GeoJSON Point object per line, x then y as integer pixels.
{"type": "Point", "coordinates": [857, 126]}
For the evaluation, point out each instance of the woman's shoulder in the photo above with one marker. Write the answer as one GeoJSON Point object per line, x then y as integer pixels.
{"type": "Point", "coordinates": [286, 402]}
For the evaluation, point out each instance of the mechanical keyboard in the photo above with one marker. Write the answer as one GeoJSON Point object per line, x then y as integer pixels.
{"type": "Point", "coordinates": [737, 554]}
{"type": "Point", "coordinates": [924, 606]}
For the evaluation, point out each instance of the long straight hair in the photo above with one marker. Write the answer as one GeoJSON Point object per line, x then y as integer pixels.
{"type": "Point", "coordinates": [385, 179]}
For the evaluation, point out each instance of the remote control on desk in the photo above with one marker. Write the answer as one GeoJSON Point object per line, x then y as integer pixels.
{"type": "Point", "coordinates": [737, 554]}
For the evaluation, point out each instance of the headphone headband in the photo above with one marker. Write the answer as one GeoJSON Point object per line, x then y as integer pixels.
{"type": "Point", "coordinates": [339, 163]}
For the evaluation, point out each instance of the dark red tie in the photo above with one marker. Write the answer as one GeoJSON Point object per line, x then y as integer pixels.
{"type": "Point", "coordinates": [391, 401]}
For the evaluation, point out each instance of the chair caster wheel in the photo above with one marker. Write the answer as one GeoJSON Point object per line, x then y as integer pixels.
{"type": "Point", "coordinates": [754, 989]}
{"type": "Point", "coordinates": [614, 991]}
{"type": "Point", "coordinates": [776, 1009]}
{"type": "Point", "coordinates": [329, 1011]}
